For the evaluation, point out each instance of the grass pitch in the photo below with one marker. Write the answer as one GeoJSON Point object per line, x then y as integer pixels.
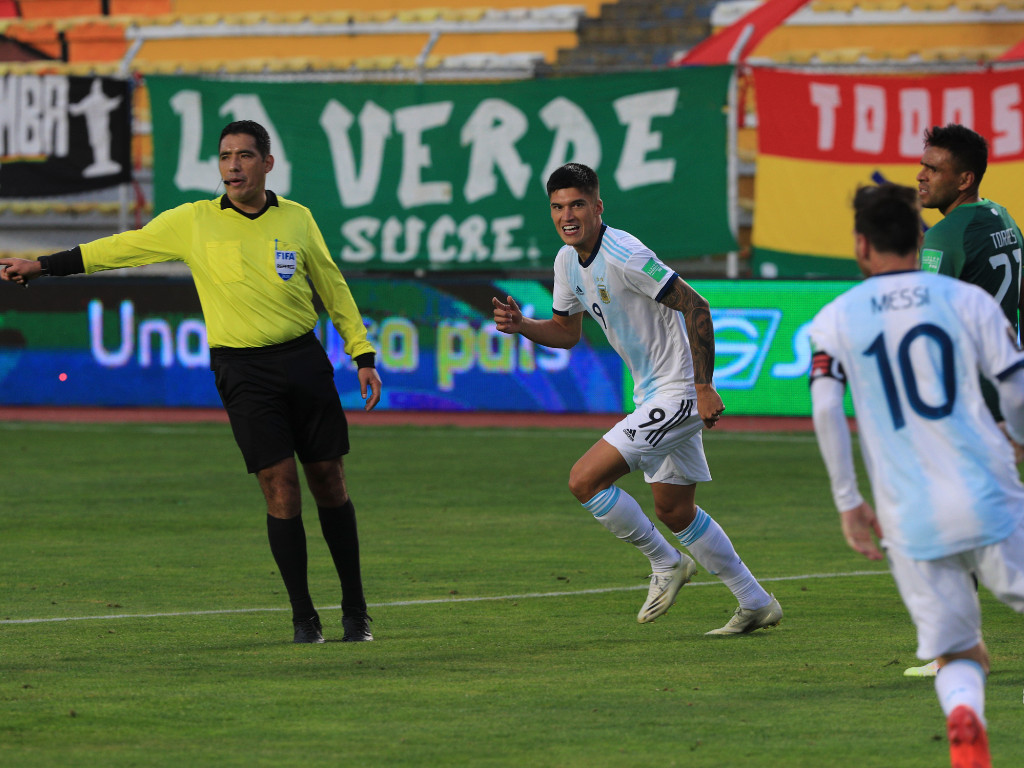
{"type": "Point", "coordinates": [144, 624]}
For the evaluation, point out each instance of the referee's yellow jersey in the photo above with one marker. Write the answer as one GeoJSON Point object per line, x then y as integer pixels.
{"type": "Point", "coordinates": [250, 273]}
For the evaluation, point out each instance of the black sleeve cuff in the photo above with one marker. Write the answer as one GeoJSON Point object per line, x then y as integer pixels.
{"type": "Point", "coordinates": [63, 263]}
{"type": "Point", "coordinates": [367, 360]}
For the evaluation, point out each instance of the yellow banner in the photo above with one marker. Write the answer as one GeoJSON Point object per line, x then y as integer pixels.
{"type": "Point", "coordinates": [804, 207]}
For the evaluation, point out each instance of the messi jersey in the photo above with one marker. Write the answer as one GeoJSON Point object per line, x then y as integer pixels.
{"type": "Point", "coordinates": [978, 243]}
{"type": "Point", "coordinates": [911, 345]}
{"type": "Point", "coordinates": [619, 286]}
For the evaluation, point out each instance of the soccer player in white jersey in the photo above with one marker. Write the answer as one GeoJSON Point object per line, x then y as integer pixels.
{"type": "Point", "coordinates": [662, 329]}
{"type": "Point", "coordinates": [911, 345]}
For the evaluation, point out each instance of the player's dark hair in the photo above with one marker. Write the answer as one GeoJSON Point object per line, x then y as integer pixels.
{"type": "Point", "coordinates": [889, 216]}
{"type": "Point", "coordinates": [968, 150]}
{"type": "Point", "coordinates": [251, 128]}
{"type": "Point", "coordinates": [576, 175]}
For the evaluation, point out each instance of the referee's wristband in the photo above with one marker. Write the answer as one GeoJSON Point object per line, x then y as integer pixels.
{"type": "Point", "coordinates": [63, 263]}
{"type": "Point", "coordinates": [367, 360]}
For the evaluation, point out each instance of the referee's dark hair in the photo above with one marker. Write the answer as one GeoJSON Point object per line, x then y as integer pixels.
{"type": "Point", "coordinates": [252, 128]}
{"type": "Point", "coordinates": [577, 175]}
{"type": "Point", "coordinates": [889, 216]}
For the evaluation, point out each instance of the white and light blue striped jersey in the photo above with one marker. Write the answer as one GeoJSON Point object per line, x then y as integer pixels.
{"type": "Point", "coordinates": [619, 286]}
{"type": "Point", "coordinates": [911, 345]}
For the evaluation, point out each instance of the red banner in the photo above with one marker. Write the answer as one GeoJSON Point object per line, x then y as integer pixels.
{"type": "Point", "coordinates": [881, 119]}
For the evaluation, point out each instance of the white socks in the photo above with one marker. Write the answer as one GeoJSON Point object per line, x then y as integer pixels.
{"type": "Point", "coordinates": [710, 547]}
{"type": "Point", "coordinates": [619, 512]}
{"type": "Point", "coordinates": [962, 681]}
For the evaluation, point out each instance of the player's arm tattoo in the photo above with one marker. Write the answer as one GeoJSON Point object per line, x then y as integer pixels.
{"type": "Point", "coordinates": [699, 328]}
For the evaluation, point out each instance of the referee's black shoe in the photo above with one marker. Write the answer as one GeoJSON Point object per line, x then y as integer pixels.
{"type": "Point", "coordinates": [308, 630]}
{"type": "Point", "coordinates": [357, 627]}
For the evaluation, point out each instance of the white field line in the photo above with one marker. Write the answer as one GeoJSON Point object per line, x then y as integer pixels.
{"type": "Point", "coordinates": [397, 603]}
{"type": "Point", "coordinates": [364, 434]}
{"type": "Point", "coordinates": [105, 428]}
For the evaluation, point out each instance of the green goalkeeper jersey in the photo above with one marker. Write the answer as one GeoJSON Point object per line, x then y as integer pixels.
{"type": "Point", "coordinates": [978, 243]}
{"type": "Point", "coordinates": [252, 273]}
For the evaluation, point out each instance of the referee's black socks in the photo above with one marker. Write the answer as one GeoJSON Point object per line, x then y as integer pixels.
{"type": "Point", "coordinates": [288, 545]}
{"type": "Point", "coordinates": [339, 527]}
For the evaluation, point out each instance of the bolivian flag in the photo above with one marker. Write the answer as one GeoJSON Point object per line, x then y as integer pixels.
{"type": "Point", "coordinates": [821, 136]}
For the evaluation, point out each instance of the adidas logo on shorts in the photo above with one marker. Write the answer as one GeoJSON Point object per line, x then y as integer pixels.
{"type": "Point", "coordinates": [630, 433]}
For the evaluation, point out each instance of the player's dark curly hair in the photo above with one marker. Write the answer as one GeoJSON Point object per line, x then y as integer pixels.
{"type": "Point", "coordinates": [889, 216]}
{"type": "Point", "coordinates": [251, 128]}
{"type": "Point", "coordinates": [968, 149]}
{"type": "Point", "coordinates": [577, 175]}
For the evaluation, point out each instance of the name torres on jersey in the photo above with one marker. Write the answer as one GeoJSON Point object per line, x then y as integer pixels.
{"type": "Point", "coordinates": [1003, 238]}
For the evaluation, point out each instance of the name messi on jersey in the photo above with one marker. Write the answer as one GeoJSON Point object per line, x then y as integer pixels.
{"type": "Point", "coordinates": [1003, 238]}
{"type": "Point", "coordinates": [905, 298]}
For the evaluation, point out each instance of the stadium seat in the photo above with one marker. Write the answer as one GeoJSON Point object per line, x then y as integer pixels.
{"type": "Point", "coordinates": [94, 69]}
{"type": "Point", "coordinates": [964, 54]}
{"type": "Point", "coordinates": [96, 41]}
{"type": "Point", "coordinates": [418, 15]}
{"type": "Point", "coordinates": [981, 6]}
{"type": "Point", "coordinates": [463, 14]}
{"type": "Point", "coordinates": [833, 6]}
{"type": "Point", "coordinates": [795, 56]}
{"type": "Point", "coordinates": [192, 7]}
{"type": "Point", "coordinates": [140, 7]}
{"type": "Point", "coordinates": [59, 9]}
{"type": "Point", "coordinates": [926, 6]}
{"type": "Point", "coordinates": [883, 6]}
{"type": "Point", "coordinates": [41, 35]}
{"type": "Point", "coordinates": [841, 55]}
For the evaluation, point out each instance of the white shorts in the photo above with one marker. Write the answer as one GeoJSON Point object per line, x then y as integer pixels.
{"type": "Point", "coordinates": [943, 599]}
{"type": "Point", "coordinates": [663, 438]}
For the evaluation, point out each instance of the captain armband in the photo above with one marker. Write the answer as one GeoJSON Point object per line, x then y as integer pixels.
{"type": "Point", "coordinates": [824, 365]}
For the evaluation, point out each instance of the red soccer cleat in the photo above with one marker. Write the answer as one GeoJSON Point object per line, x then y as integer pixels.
{"type": "Point", "coordinates": [968, 742]}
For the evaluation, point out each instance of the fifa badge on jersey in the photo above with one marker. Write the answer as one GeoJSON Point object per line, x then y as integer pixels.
{"type": "Point", "coordinates": [654, 270]}
{"type": "Point", "coordinates": [930, 260]}
{"type": "Point", "coordinates": [285, 262]}
{"type": "Point", "coordinates": [602, 289]}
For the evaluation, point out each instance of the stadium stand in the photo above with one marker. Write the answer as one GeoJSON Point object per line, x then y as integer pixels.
{"type": "Point", "coordinates": [895, 32]}
{"type": "Point", "coordinates": [635, 34]}
{"type": "Point", "coordinates": [73, 33]}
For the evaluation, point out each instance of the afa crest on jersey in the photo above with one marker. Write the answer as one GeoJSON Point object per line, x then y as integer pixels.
{"type": "Point", "coordinates": [602, 289]}
{"type": "Point", "coordinates": [285, 262]}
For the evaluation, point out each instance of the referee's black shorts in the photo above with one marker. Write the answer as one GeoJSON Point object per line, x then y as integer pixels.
{"type": "Point", "coordinates": [281, 401]}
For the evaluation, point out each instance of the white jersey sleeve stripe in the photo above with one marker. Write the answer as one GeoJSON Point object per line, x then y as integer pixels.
{"type": "Point", "coordinates": [1010, 371]}
{"type": "Point", "coordinates": [668, 285]}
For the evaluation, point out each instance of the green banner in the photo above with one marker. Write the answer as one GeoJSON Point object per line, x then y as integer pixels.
{"type": "Point", "coordinates": [451, 176]}
{"type": "Point", "coordinates": [762, 350]}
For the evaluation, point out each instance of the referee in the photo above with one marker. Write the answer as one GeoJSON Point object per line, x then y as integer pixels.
{"type": "Point", "coordinates": [253, 256]}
